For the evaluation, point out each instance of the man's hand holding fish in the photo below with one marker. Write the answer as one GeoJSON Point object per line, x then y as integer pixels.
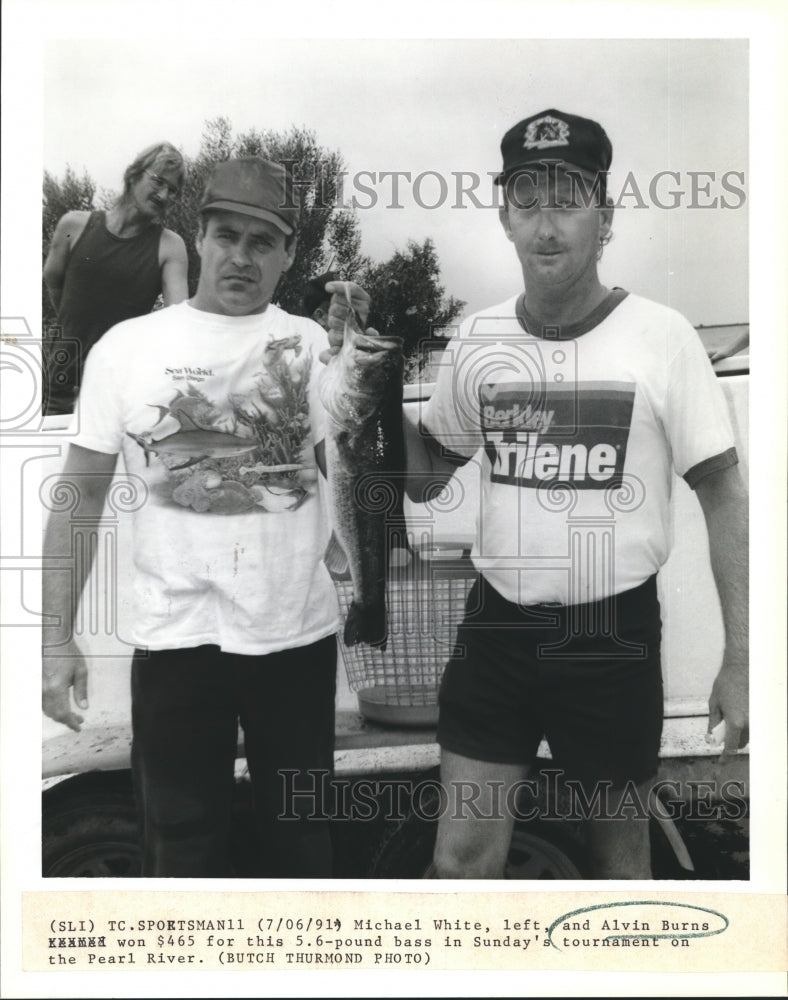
{"type": "Point", "coordinates": [347, 298]}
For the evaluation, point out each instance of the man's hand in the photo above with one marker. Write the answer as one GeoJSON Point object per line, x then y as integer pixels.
{"type": "Point", "coordinates": [61, 673]}
{"type": "Point", "coordinates": [729, 349]}
{"type": "Point", "coordinates": [346, 297]}
{"type": "Point", "coordinates": [723, 499]}
{"type": "Point", "coordinates": [729, 703]}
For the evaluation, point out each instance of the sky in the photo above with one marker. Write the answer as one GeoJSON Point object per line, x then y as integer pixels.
{"type": "Point", "coordinates": [436, 108]}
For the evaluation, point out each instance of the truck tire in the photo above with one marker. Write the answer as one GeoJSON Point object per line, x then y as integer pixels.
{"type": "Point", "coordinates": [539, 853]}
{"type": "Point", "coordinates": [92, 834]}
{"type": "Point", "coordinates": [89, 830]}
{"type": "Point", "coordinates": [536, 853]}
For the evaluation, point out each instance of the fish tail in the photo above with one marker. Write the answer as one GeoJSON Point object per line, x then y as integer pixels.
{"type": "Point", "coordinates": [366, 624]}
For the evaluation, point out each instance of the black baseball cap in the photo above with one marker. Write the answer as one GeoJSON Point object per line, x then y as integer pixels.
{"type": "Point", "coordinates": [554, 135]}
{"type": "Point", "coordinates": [256, 187]}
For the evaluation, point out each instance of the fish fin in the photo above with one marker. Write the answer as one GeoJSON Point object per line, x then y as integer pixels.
{"type": "Point", "coordinates": [164, 411]}
{"type": "Point", "coordinates": [367, 625]}
{"type": "Point", "coordinates": [143, 444]}
{"type": "Point", "coordinates": [335, 559]}
{"type": "Point", "coordinates": [191, 420]}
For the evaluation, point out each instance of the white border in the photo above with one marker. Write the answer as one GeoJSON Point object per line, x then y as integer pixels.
{"type": "Point", "coordinates": [28, 23]}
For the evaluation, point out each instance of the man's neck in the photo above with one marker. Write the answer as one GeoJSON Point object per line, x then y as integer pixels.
{"type": "Point", "coordinates": [563, 306]}
{"type": "Point", "coordinates": [126, 220]}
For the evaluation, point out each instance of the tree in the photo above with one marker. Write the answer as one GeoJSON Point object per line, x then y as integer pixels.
{"type": "Point", "coordinates": [328, 233]}
{"type": "Point", "coordinates": [408, 300]}
{"type": "Point", "coordinates": [344, 239]}
{"type": "Point", "coordinates": [58, 197]}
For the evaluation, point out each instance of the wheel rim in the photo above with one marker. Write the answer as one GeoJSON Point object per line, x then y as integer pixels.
{"type": "Point", "coordinates": [107, 860]}
{"type": "Point", "coordinates": [533, 857]}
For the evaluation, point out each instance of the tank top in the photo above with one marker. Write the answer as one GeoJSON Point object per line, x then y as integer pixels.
{"type": "Point", "coordinates": [108, 279]}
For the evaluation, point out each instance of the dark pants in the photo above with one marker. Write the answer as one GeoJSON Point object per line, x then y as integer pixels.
{"type": "Point", "coordinates": [186, 706]}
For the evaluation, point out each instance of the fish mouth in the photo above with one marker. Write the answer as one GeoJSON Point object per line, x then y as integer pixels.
{"type": "Point", "coordinates": [367, 353]}
{"type": "Point", "coordinates": [375, 344]}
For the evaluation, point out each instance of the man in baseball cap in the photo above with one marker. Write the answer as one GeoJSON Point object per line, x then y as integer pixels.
{"type": "Point", "coordinates": [211, 403]}
{"type": "Point", "coordinates": [251, 186]}
{"type": "Point", "coordinates": [247, 237]}
{"type": "Point", "coordinates": [555, 136]}
{"type": "Point", "coordinates": [579, 403]}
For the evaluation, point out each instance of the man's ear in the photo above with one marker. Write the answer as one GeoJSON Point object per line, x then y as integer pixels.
{"type": "Point", "coordinates": [606, 219]}
{"type": "Point", "coordinates": [503, 216]}
{"type": "Point", "coordinates": [291, 252]}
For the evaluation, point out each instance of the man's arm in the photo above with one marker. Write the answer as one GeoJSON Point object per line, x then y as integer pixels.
{"type": "Point", "coordinates": [723, 498]}
{"type": "Point", "coordinates": [728, 350]}
{"type": "Point", "coordinates": [88, 474]}
{"type": "Point", "coordinates": [67, 232]}
{"type": "Point", "coordinates": [174, 264]}
{"type": "Point", "coordinates": [428, 468]}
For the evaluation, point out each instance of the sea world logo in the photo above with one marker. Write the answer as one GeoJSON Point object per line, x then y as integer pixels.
{"type": "Point", "coordinates": [577, 435]}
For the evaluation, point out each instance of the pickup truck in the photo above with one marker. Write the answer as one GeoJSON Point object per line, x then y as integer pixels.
{"type": "Point", "coordinates": [385, 741]}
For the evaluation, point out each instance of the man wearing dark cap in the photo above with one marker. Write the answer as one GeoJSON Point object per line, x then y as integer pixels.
{"type": "Point", "coordinates": [212, 404]}
{"type": "Point", "coordinates": [578, 401]}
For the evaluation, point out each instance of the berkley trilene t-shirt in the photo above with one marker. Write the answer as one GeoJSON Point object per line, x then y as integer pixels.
{"type": "Point", "coordinates": [217, 418]}
{"type": "Point", "coordinates": [579, 429]}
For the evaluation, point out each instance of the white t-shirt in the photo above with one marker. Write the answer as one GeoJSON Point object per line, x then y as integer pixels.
{"type": "Point", "coordinates": [203, 407]}
{"type": "Point", "coordinates": [579, 430]}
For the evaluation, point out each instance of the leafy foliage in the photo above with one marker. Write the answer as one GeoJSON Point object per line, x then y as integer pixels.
{"type": "Point", "coordinates": [409, 301]}
{"type": "Point", "coordinates": [327, 231]}
{"type": "Point", "coordinates": [71, 194]}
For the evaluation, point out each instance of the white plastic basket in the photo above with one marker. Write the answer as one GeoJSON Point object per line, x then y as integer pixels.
{"type": "Point", "coordinates": [426, 602]}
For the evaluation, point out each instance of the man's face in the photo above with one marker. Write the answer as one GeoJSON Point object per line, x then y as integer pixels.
{"type": "Point", "coordinates": [242, 260]}
{"type": "Point", "coordinates": [555, 225]}
{"type": "Point", "coordinates": [153, 191]}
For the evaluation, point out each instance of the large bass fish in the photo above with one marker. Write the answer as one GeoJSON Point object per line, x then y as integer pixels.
{"type": "Point", "coordinates": [361, 391]}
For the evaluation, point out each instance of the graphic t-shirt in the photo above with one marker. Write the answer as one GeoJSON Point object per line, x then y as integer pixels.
{"type": "Point", "coordinates": [217, 418]}
{"type": "Point", "coordinates": [579, 435]}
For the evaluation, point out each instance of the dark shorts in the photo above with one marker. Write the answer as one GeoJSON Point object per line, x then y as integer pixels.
{"type": "Point", "coordinates": [585, 677]}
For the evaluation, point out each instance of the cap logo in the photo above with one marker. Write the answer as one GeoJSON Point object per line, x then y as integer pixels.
{"type": "Point", "coordinates": [546, 132]}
